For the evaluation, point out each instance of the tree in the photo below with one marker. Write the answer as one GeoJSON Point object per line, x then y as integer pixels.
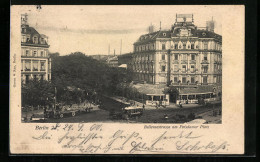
{"type": "Point", "coordinates": [37, 92]}
{"type": "Point", "coordinates": [89, 75]}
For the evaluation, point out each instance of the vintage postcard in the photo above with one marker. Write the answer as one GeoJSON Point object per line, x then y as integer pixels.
{"type": "Point", "coordinates": [127, 79]}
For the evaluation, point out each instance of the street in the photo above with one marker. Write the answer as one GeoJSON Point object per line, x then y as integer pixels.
{"type": "Point", "coordinates": [150, 115]}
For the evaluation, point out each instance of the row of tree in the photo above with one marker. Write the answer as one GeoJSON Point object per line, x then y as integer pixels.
{"type": "Point", "coordinates": [77, 78]}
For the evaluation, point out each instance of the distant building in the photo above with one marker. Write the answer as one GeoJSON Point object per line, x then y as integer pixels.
{"type": "Point", "coordinates": [125, 58]}
{"type": "Point", "coordinates": [101, 58]}
{"type": "Point", "coordinates": [112, 61]}
{"type": "Point", "coordinates": [184, 56]}
{"type": "Point", "coordinates": [36, 63]}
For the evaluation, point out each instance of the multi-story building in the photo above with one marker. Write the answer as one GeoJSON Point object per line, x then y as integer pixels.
{"type": "Point", "coordinates": [183, 56]}
{"type": "Point", "coordinates": [36, 63]}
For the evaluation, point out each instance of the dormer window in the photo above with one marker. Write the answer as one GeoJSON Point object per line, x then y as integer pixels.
{"type": "Point", "coordinates": [23, 38]}
{"type": "Point", "coordinates": [27, 38]}
{"type": "Point", "coordinates": [24, 30]}
{"type": "Point", "coordinates": [42, 40]}
{"type": "Point", "coordinates": [35, 40]}
{"type": "Point", "coordinates": [164, 34]}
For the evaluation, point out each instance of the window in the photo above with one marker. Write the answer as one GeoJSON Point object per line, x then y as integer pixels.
{"type": "Point", "coordinates": [163, 46]}
{"type": "Point", "coordinates": [27, 65]}
{"type": "Point", "coordinates": [163, 56]}
{"type": "Point", "coordinates": [215, 79]}
{"type": "Point", "coordinates": [205, 46]}
{"type": "Point", "coordinates": [164, 34]}
{"type": "Point", "coordinates": [192, 68]}
{"type": "Point", "coordinates": [192, 57]}
{"type": "Point", "coordinates": [41, 53]}
{"type": "Point", "coordinates": [192, 80]}
{"type": "Point", "coordinates": [27, 38]}
{"type": "Point", "coordinates": [26, 52]}
{"type": "Point", "coordinates": [184, 80]}
{"type": "Point", "coordinates": [163, 68]}
{"type": "Point", "coordinates": [26, 79]}
{"type": "Point", "coordinates": [184, 68]}
{"type": "Point", "coordinates": [184, 46]}
{"type": "Point", "coordinates": [205, 69]}
{"type": "Point", "coordinates": [184, 57]}
{"type": "Point", "coordinates": [24, 30]}
{"type": "Point", "coordinates": [176, 46]}
{"type": "Point", "coordinates": [175, 79]}
{"type": "Point", "coordinates": [205, 57]}
{"type": "Point", "coordinates": [192, 46]}
{"type": "Point", "coordinates": [205, 79]}
{"type": "Point", "coordinates": [176, 68]}
{"type": "Point", "coordinates": [34, 53]}
{"type": "Point", "coordinates": [35, 40]}
{"type": "Point", "coordinates": [34, 77]}
{"type": "Point", "coordinates": [35, 65]}
{"type": "Point", "coordinates": [42, 66]}
{"type": "Point", "coordinates": [176, 57]}
{"type": "Point", "coordinates": [41, 77]}
{"type": "Point", "coordinates": [23, 38]}
{"type": "Point", "coordinates": [42, 40]}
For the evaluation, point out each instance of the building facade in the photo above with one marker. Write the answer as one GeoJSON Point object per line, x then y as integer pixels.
{"type": "Point", "coordinates": [183, 55]}
{"type": "Point", "coordinates": [186, 57]}
{"type": "Point", "coordinates": [35, 60]}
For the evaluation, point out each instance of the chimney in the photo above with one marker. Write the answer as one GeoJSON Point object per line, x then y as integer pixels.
{"type": "Point", "coordinates": [210, 25]}
{"type": "Point", "coordinates": [151, 28]}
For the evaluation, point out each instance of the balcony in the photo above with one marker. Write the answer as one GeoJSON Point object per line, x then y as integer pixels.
{"type": "Point", "coordinates": [176, 61]}
{"type": "Point", "coordinates": [184, 61]}
{"type": "Point", "coordinates": [192, 61]}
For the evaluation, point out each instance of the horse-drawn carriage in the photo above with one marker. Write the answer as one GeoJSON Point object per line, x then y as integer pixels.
{"type": "Point", "coordinates": [61, 112]}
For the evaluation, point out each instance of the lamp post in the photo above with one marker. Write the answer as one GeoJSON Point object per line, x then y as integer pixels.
{"type": "Point", "coordinates": [55, 98]}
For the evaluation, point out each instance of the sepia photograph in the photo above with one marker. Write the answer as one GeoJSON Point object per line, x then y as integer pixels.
{"type": "Point", "coordinates": [127, 79]}
{"type": "Point", "coordinates": [85, 65]}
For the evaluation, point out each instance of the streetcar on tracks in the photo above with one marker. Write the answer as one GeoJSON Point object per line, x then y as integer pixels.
{"type": "Point", "coordinates": [128, 112]}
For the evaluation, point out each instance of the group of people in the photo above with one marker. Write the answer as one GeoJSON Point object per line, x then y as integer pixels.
{"type": "Point", "coordinates": [159, 105]}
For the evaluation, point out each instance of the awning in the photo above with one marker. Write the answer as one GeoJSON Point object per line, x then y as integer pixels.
{"type": "Point", "coordinates": [207, 89]}
{"type": "Point", "coordinates": [150, 89]}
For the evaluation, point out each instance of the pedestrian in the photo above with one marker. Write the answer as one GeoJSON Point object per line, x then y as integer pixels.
{"type": "Point", "coordinates": [143, 106]}
{"type": "Point", "coordinates": [180, 104]}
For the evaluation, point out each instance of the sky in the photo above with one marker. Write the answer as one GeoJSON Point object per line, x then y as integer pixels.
{"type": "Point", "coordinates": [92, 29]}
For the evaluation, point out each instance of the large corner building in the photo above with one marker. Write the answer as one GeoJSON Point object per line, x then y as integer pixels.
{"type": "Point", "coordinates": [36, 63]}
{"type": "Point", "coordinates": [183, 56]}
